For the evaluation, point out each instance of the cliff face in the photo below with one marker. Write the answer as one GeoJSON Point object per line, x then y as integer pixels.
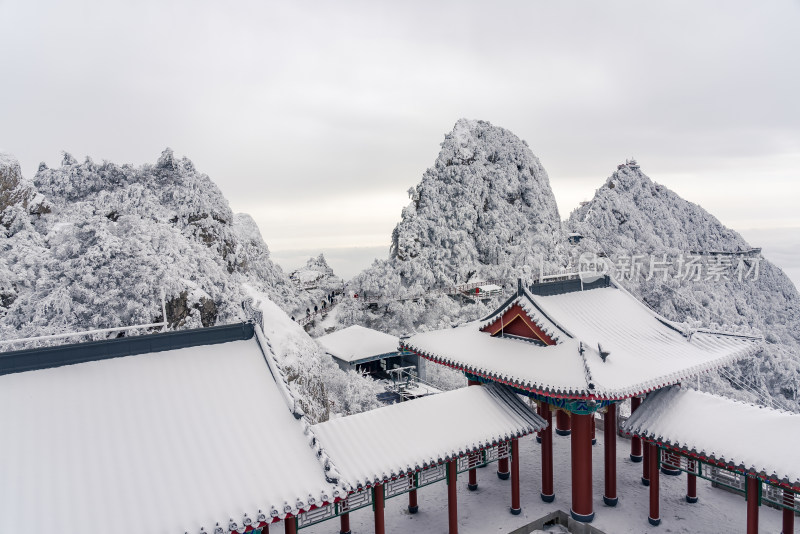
{"type": "Point", "coordinates": [632, 215]}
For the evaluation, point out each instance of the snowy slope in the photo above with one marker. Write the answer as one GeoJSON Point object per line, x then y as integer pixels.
{"type": "Point", "coordinates": [631, 214]}
{"type": "Point", "coordinates": [485, 210]}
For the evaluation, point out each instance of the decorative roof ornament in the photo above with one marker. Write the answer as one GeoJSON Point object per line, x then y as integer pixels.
{"type": "Point", "coordinates": [603, 353]}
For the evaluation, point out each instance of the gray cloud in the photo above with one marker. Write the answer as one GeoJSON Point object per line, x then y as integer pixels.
{"type": "Point", "coordinates": [293, 105]}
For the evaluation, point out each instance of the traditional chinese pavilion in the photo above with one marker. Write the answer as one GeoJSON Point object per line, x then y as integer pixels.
{"type": "Point", "coordinates": [580, 346]}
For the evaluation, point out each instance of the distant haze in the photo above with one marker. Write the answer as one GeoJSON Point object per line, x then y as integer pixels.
{"type": "Point", "coordinates": [316, 117]}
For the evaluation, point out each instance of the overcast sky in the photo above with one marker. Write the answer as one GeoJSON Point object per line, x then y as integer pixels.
{"type": "Point", "coordinates": [316, 117]}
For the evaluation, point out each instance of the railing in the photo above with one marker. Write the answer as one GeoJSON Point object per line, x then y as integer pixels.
{"type": "Point", "coordinates": [81, 334]}
{"type": "Point", "coordinates": [402, 484]}
{"type": "Point", "coordinates": [306, 319]}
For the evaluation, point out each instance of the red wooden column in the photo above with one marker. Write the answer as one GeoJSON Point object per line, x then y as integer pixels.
{"type": "Point", "coordinates": [646, 466]}
{"type": "Point", "coordinates": [472, 483]}
{"type": "Point", "coordinates": [290, 525]}
{"type": "Point", "coordinates": [539, 412]}
{"type": "Point", "coordinates": [594, 436]}
{"type": "Point", "coordinates": [788, 515]}
{"type": "Point", "coordinates": [691, 483]}
{"type": "Point", "coordinates": [753, 497]}
{"type": "Point", "coordinates": [452, 497]}
{"type": "Point", "coordinates": [378, 505]}
{"type": "Point", "coordinates": [610, 456]}
{"type": "Point", "coordinates": [655, 514]}
{"type": "Point", "coordinates": [582, 468]}
{"type": "Point", "coordinates": [515, 507]}
{"type": "Point", "coordinates": [413, 507]}
{"type": "Point", "coordinates": [636, 442]}
{"type": "Point", "coordinates": [344, 524]}
{"type": "Point", "coordinates": [547, 453]}
{"type": "Point", "coordinates": [502, 468]}
{"type": "Point", "coordinates": [563, 427]}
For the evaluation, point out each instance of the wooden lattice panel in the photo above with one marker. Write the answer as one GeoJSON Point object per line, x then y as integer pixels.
{"type": "Point", "coordinates": [782, 498]}
{"type": "Point", "coordinates": [503, 450]}
{"type": "Point", "coordinates": [356, 500]}
{"type": "Point", "coordinates": [399, 485]}
{"type": "Point", "coordinates": [726, 478]}
{"type": "Point", "coordinates": [316, 515]}
{"type": "Point", "coordinates": [470, 461]}
{"type": "Point", "coordinates": [431, 475]}
{"type": "Point", "coordinates": [672, 460]}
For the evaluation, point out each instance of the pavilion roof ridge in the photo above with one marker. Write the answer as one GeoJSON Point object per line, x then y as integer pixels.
{"type": "Point", "coordinates": [524, 299]}
{"type": "Point", "coordinates": [332, 473]}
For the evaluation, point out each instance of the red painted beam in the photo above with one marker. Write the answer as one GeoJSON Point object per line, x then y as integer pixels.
{"type": "Point", "coordinates": [582, 468]}
{"type": "Point", "coordinates": [655, 513]}
{"type": "Point", "coordinates": [452, 497]}
{"type": "Point", "coordinates": [610, 455]}
{"type": "Point", "coordinates": [753, 486]}
{"type": "Point", "coordinates": [548, 494]}
{"type": "Point", "coordinates": [636, 441]}
{"type": "Point", "coordinates": [378, 504]}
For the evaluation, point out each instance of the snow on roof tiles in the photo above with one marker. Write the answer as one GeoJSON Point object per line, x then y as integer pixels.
{"type": "Point", "coordinates": [742, 435]}
{"type": "Point", "coordinates": [644, 351]}
{"type": "Point", "coordinates": [160, 442]}
{"type": "Point", "coordinates": [373, 446]}
{"type": "Point", "coordinates": [356, 343]}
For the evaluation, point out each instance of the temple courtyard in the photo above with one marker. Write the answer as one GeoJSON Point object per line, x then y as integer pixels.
{"type": "Point", "coordinates": [486, 510]}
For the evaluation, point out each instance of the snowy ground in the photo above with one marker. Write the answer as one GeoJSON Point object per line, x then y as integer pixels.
{"type": "Point", "coordinates": [486, 510]}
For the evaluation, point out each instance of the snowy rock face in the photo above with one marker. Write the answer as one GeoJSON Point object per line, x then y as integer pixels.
{"type": "Point", "coordinates": [114, 237]}
{"type": "Point", "coordinates": [17, 195]}
{"type": "Point", "coordinates": [486, 204]}
{"type": "Point", "coordinates": [631, 214]}
{"type": "Point", "coordinates": [485, 210]}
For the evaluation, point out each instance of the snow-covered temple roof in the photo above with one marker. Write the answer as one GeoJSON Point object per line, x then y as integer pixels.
{"type": "Point", "coordinates": [405, 437]}
{"type": "Point", "coordinates": [641, 350]}
{"type": "Point", "coordinates": [744, 436]}
{"type": "Point", "coordinates": [356, 343]}
{"type": "Point", "coordinates": [167, 441]}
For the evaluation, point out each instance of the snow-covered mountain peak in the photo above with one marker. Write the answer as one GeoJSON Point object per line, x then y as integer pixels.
{"type": "Point", "coordinates": [483, 211]}
{"type": "Point", "coordinates": [488, 191]}
{"type": "Point", "coordinates": [639, 224]}
{"type": "Point", "coordinates": [632, 212]}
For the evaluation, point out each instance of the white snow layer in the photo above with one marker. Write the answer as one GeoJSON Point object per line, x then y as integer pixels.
{"type": "Point", "coordinates": [166, 442]}
{"type": "Point", "coordinates": [742, 435]}
{"type": "Point", "coordinates": [405, 437]}
{"type": "Point", "coordinates": [643, 352]}
{"type": "Point", "coordinates": [356, 343]}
